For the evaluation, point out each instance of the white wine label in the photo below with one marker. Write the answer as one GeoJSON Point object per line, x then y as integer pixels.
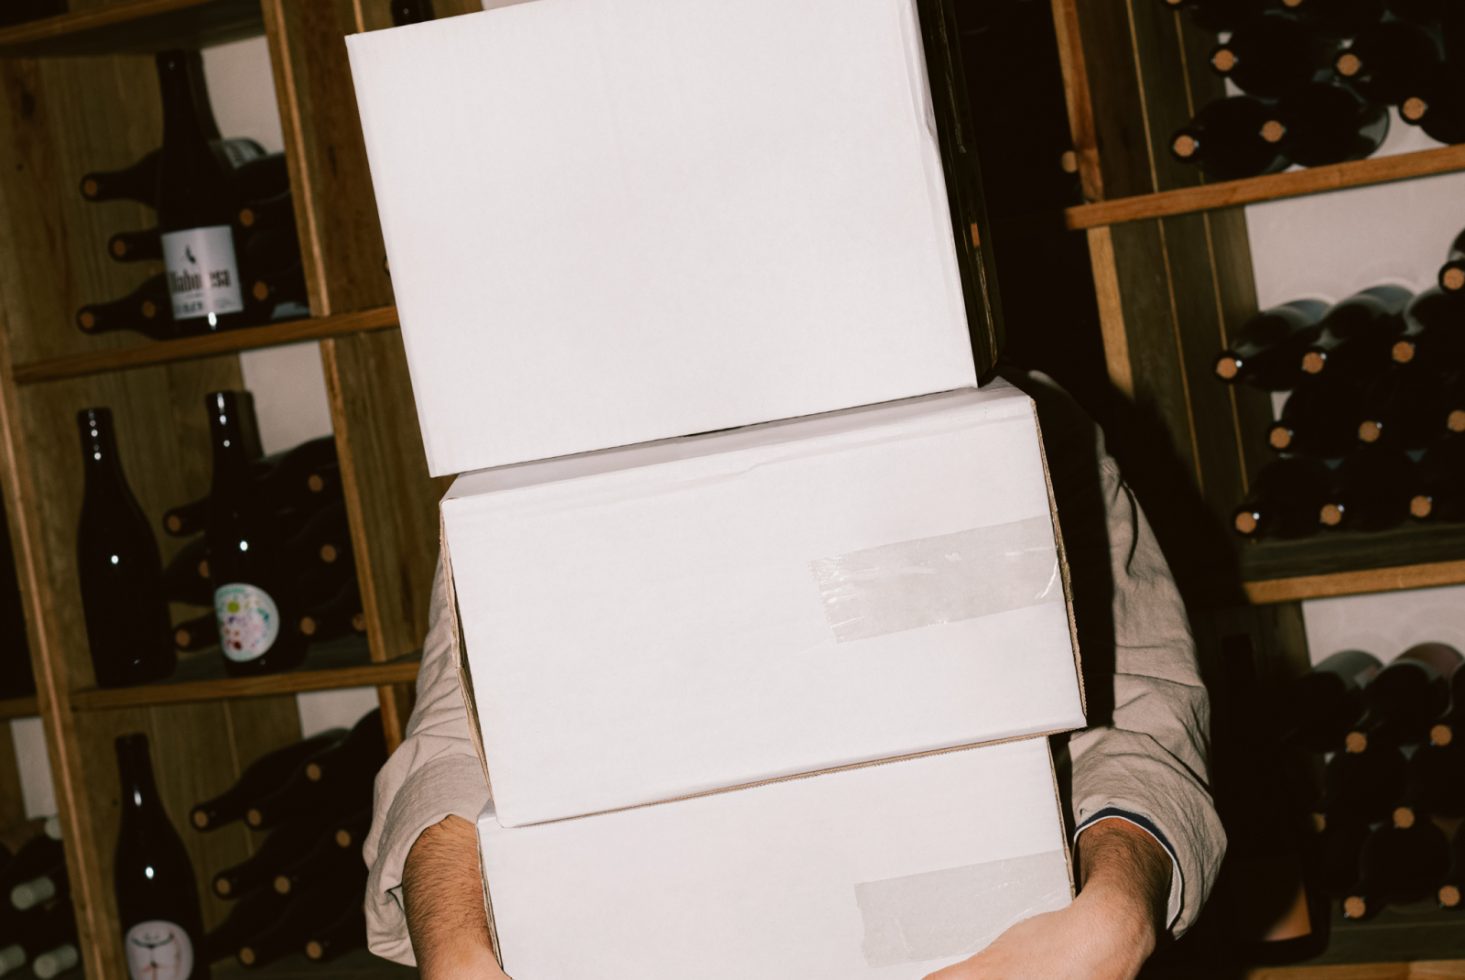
{"type": "Point", "coordinates": [203, 275]}
{"type": "Point", "coordinates": [158, 950]}
{"type": "Point", "coordinates": [249, 621]}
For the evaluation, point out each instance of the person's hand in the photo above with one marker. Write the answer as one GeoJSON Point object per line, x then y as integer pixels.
{"type": "Point", "coordinates": [1108, 931]}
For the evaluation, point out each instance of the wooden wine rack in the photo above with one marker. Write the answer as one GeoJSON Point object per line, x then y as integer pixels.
{"type": "Point", "coordinates": [80, 94]}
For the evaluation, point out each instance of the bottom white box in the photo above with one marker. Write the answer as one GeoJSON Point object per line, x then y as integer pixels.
{"type": "Point", "coordinates": [882, 871]}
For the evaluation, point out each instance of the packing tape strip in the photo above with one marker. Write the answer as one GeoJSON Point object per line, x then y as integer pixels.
{"type": "Point", "coordinates": [956, 912]}
{"type": "Point", "coordinates": [943, 579]}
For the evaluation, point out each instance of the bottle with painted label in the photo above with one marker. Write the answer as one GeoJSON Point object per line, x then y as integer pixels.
{"type": "Point", "coordinates": [1232, 138]}
{"type": "Point", "coordinates": [1434, 329]}
{"type": "Point", "coordinates": [1270, 55]}
{"type": "Point", "coordinates": [406, 12]}
{"type": "Point", "coordinates": [1452, 273]}
{"type": "Point", "coordinates": [1386, 62]}
{"type": "Point", "coordinates": [1319, 419]}
{"type": "Point", "coordinates": [195, 206]}
{"type": "Point", "coordinates": [248, 561]}
{"type": "Point", "coordinates": [145, 310]}
{"type": "Point", "coordinates": [1331, 124]}
{"type": "Point", "coordinates": [1267, 350]}
{"type": "Point", "coordinates": [1402, 408]}
{"type": "Point", "coordinates": [262, 777]}
{"type": "Point", "coordinates": [157, 900]}
{"type": "Point", "coordinates": [1407, 697]}
{"type": "Point", "coordinates": [1401, 862]}
{"type": "Point", "coordinates": [1356, 335]}
{"type": "Point", "coordinates": [1323, 704]}
{"type": "Point", "coordinates": [124, 602]}
{"type": "Point", "coordinates": [1285, 500]}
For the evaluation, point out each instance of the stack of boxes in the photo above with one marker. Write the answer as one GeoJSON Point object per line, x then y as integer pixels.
{"type": "Point", "coordinates": [764, 701]}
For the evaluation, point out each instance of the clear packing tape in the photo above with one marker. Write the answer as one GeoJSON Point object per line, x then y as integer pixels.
{"type": "Point", "coordinates": [957, 912]}
{"type": "Point", "coordinates": [944, 579]}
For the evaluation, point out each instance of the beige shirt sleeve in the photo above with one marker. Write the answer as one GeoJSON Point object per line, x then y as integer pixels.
{"type": "Point", "coordinates": [1145, 750]}
{"type": "Point", "coordinates": [1144, 754]}
{"type": "Point", "coordinates": [435, 772]}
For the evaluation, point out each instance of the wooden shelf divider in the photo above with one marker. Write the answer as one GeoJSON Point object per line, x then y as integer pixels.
{"type": "Point", "coordinates": [1329, 584]}
{"type": "Point", "coordinates": [134, 26]}
{"type": "Point", "coordinates": [209, 345]}
{"type": "Point", "coordinates": [19, 708]}
{"type": "Point", "coordinates": [1254, 190]}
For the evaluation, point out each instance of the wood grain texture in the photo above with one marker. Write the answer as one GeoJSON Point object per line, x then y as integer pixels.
{"type": "Point", "coordinates": [1423, 575]}
{"type": "Point", "coordinates": [1252, 190]}
{"type": "Point", "coordinates": [119, 26]}
{"type": "Point", "coordinates": [191, 348]}
{"type": "Point", "coordinates": [1079, 98]}
{"type": "Point", "coordinates": [19, 708]}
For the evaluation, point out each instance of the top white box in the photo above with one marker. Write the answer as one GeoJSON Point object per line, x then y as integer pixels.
{"type": "Point", "coordinates": [613, 221]}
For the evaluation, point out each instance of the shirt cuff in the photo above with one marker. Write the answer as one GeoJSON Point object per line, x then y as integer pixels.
{"type": "Point", "coordinates": [1177, 880]}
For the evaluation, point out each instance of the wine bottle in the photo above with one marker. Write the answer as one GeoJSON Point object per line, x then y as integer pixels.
{"type": "Point", "coordinates": [1453, 403]}
{"type": "Point", "coordinates": [261, 178]}
{"type": "Point", "coordinates": [1356, 335]}
{"type": "Point", "coordinates": [194, 206]}
{"type": "Point", "coordinates": [1402, 409]}
{"type": "Point", "coordinates": [139, 182]}
{"type": "Point", "coordinates": [328, 858]}
{"type": "Point", "coordinates": [1400, 863]}
{"type": "Point", "coordinates": [45, 939]}
{"type": "Point", "coordinates": [1331, 124]}
{"type": "Point", "coordinates": [186, 520]}
{"type": "Point", "coordinates": [1437, 104]}
{"type": "Point", "coordinates": [56, 961]}
{"type": "Point", "coordinates": [1386, 62]}
{"type": "Point", "coordinates": [1443, 731]}
{"type": "Point", "coordinates": [1452, 273]}
{"type": "Point", "coordinates": [247, 557]}
{"type": "Point", "coordinates": [123, 600]}
{"type": "Point", "coordinates": [145, 310]}
{"type": "Point", "coordinates": [1361, 784]}
{"type": "Point", "coordinates": [186, 579]}
{"type": "Point", "coordinates": [325, 538]}
{"type": "Point", "coordinates": [1434, 329]}
{"type": "Point", "coordinates": [43, 888]}
{"type": "Point", "coordinates": [157, 902]}
{"type": "Point", "coordinates": [1452, 891]}
{"type": "Point", "coordinates": [1319, 418]}
{"type": "Point", "coordinates": [251, 915]}
{"type": "Point", "coordinates": [1217, 15]}
{"type": "Point", "coordinates": [1323, 704]}
{"type": "Point", "coordinates": [1435, 780]}
{"type": "Point", "coordinates": [406, 12]}
{"type": "Point", "coordinates": [1425, 13]}
{"type": "Point", "coordinates": [335, 780]}
{"type": "Point", "coordinates": [1335, 860]}
{"type": "Point", "coordinates": [1267, 350]}
{"type": "Point", "coordinates": [1231, 138]}
{"type": "Point", "coordinates": [313, 906]}
{"type": "Point", "coordinates": [1285, 501]}
{"type": "Point", "coordinates": [136, 246]}
{"type": "Point", "coordinates": [344, 934]}
{"type": "Point", "coordinates": [1337, 18]}
{"type": "Point", "coordinates": [39, 855]}
{"type": "Point", "coordinates": [340, 615]}
{"type": "Point", "coordinates": [260, 778]}
{"type": "Point", "coordinates": [1407, 696]}
{"type": "Point", "coordinates": [1439, 492]}
{"type": "Point", "coordinates": [197, 633]}
{"type": "Point", "coordinates": [1269, 55]}
{"type": "Point", "coordinates": [321, 581]}
{"type": "Point", "coordinates": [277, 211]}
{"type": "Point", "coordinates": [279, 849]}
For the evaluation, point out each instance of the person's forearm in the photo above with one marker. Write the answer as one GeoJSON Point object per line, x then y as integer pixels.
{"type": "Point", "coordinates": [443, 897]}
{"type": "Point", "coordinates": [1126, 867]}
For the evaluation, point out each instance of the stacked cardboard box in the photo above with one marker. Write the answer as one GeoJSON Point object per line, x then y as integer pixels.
{"type": "Point", "coordinates": [727, 686]}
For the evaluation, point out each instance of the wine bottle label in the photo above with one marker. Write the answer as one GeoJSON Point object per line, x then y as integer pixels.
{"type": "Point", "coordinates": [203, 274]}
{"type": "Point", "coordinates": [249, 621]}
{"type": "Point", "coordinates": [158, 950]}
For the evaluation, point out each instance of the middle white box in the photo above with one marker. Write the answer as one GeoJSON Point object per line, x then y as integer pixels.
{"type": "Point", "coordinates": [659, 620]}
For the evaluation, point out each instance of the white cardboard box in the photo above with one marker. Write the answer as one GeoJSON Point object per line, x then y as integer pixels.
{"type": "Point", "coordinates": [886, 872]}
{"type": "Point", "coordinates": [644, 623]}
{"type": "Point", "coordinates": [613, 221]}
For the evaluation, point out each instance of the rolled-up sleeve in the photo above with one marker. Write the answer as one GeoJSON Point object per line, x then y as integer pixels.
{"type": "Point", "coordinates": [1143, 756]}
{"type": "Point", "coordinates": [434, 773]}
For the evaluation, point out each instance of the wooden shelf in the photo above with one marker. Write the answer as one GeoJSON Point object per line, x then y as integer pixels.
{"type": "Point", "coordinates": [1296, 183]}
{"type": "Point", "coordinates": [18, 708]}
{"type": "Point", "coordinates": [1411, 557]}
{"type": "Point", "coordinates": [200, 677]}
{"type": "Point", "coordinates": [211, 345]}
{"type": "Point", "coordinates": [356, 965]}
{"type": "Point", "coordinates": [135, 26]}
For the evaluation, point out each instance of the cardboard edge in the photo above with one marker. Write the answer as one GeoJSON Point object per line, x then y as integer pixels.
{"type": "Point", "coordinates": [1063, 570]}
{"type": "Point", "coordinates": [1062, 825]}
{"type": "Point", "coordinates": [465, 673]}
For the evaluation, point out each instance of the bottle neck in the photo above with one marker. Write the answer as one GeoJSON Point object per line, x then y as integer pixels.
{"type": "Point", "coordinates": [181, 118]}
{"type": "Point", "coordinates": [98, 443]}
{"type": "Point", "coordinates": [231, 433]}
{"type": "Point", "coordinates": [139, 791]}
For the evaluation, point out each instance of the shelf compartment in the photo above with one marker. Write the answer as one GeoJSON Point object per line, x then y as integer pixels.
{"type": "Point", "coordinates": [1253, 190]}
{"type": "Point", "coordinates": [1411, 557]}
{"type": "Point", "coordinates": [332, 666]}
{"type": "Point", "coordinates": [134, 26]}
{"type": "Point", "coordinates": [210, 345]}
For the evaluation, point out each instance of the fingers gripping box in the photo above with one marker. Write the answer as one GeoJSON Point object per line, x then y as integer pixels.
{"type": "Point", "coordinates": [655, 621]}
